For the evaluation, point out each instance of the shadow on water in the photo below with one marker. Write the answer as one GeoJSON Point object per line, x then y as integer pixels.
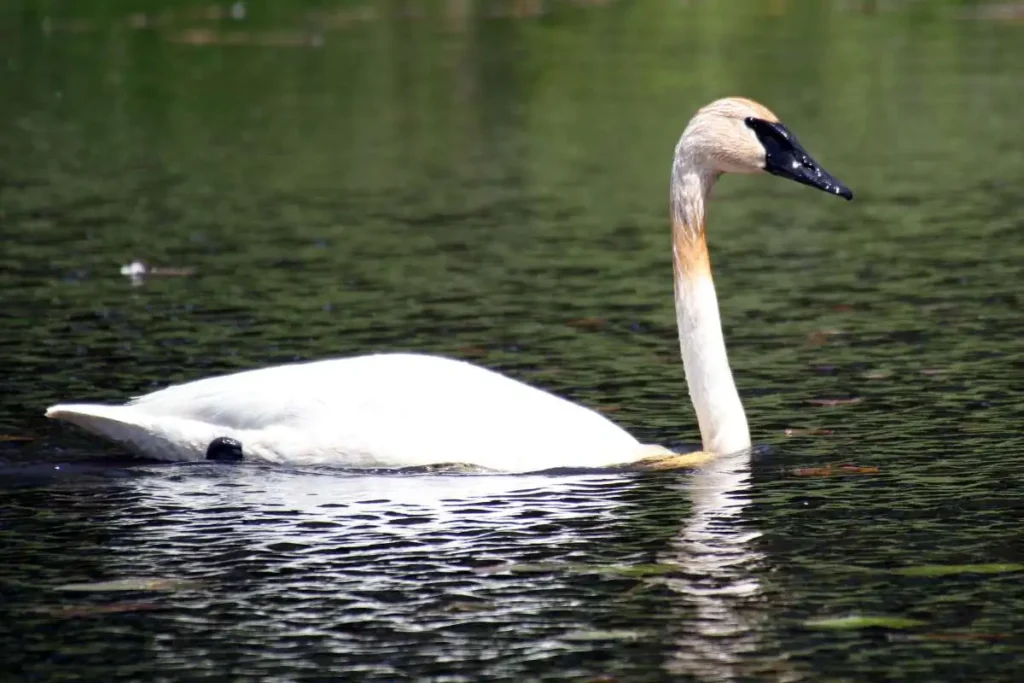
{"type": "Point", "coordinates": [488, 181]}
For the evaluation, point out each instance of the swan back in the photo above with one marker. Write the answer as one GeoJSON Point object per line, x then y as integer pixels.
{"type": "Point", "coordinates": [379, 410]}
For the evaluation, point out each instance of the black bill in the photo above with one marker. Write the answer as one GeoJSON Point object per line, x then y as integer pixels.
{"type": "Point", "coordinates": [785, 157]}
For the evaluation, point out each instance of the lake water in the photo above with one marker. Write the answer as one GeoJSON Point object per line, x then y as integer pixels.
{"type": "Point", "coordinates": [488, 180]}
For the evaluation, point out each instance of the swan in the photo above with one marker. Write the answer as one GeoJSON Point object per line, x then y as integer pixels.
{"type": "Point", "coordinates": [397, 410]}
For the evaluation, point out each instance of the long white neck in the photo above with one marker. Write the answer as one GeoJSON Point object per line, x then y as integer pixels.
{"type": "Point", "coordinates": [723, 424]}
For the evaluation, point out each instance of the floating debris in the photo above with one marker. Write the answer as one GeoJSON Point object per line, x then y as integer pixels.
{"type": "Point", "coordinates": [877, 374]}
{"type": "Point", "coordinates": [852, 623]}
{"type": "Point", "coordinates": [795, 431]}
{"type": "Point", "coordinates": [954, 569]}
{"type": "Point", "coordinates": [588, 323]}
{"type": "Point", "coordinates": [138, 270]}
{"type": "Point", "coordinates": [833, 402]}
{"type": "Point", "coordinates": [829, 470]}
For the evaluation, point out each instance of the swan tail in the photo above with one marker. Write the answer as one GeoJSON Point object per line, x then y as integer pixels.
{"type": "Point", "coordinates": [163, 438]}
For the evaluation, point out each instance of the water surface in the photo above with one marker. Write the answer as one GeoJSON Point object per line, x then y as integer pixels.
{"type": "Point", "coordinates": [489, 181]}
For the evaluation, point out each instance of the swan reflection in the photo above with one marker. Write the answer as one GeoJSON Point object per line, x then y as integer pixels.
{"type": "Point", "coordinates": [720, 582]}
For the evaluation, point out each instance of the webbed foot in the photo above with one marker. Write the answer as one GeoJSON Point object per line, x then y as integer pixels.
{"type": "Point", "coordinates": [676, 461]}
{"type": "Point", "coordinates": [667, 460]}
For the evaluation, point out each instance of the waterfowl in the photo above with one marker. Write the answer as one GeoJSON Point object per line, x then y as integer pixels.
{"type": "Point", "coordinates": [408, 410]}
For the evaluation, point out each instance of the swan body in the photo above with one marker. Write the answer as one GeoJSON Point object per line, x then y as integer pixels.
{"type": "Point", "coordinates": [411, 410]}
{"type": "Point", "coordinates": [380, 410]}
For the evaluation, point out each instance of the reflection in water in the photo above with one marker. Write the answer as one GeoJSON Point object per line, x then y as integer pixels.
{"type": "Point", "coordinates": [324, 556]}
{"type": "Point", "coordinates": [331, 495]}
{"type": "Point", "coordinates": [357, 539]}
{"type": "Point", "coordinates": [721, 573]}
{"type": "Point", "coordinates": [379, 572]}
{"type": "Point", "coordinates": [392, 576]}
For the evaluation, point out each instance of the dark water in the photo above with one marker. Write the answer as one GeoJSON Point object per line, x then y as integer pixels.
{"type": "Point", "coordinates": [489, 181]}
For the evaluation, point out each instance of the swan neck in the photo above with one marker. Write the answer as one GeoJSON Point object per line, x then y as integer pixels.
{"type": "Point", "coordinates": [723, 424]}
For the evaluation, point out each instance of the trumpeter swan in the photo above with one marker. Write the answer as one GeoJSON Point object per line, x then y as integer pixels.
{"type": "Point", "coordinates": [402, 410]}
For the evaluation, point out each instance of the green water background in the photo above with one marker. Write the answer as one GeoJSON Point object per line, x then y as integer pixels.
{"type": "Point", "coordinates": [489, 181]}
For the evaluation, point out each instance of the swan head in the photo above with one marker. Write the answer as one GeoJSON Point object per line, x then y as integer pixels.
{"type": "Point", "coordinates": [739, 135]}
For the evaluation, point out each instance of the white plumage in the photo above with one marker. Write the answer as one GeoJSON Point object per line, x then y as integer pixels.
{"type": "Point", "coordinates": [381, 410]}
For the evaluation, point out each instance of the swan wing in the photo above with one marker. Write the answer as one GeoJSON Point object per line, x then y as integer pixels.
{"type": "Point", "coordinates": [382, 410]}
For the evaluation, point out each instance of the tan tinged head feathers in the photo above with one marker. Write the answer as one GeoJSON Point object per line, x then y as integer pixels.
{"type": "Point", "coordinates": [732, 135]}
{"type": "Point", "coordinates": [739, 135]}
{"type": "Point", "coordinates": [718, 140]}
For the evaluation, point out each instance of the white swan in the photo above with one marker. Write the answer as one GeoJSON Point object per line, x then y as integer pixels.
{"type": "Point", "coordinates": [401, 410]}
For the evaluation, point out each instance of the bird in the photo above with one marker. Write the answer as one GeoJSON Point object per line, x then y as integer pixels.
{"type": "Point", "coordinates": [400, 410]}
